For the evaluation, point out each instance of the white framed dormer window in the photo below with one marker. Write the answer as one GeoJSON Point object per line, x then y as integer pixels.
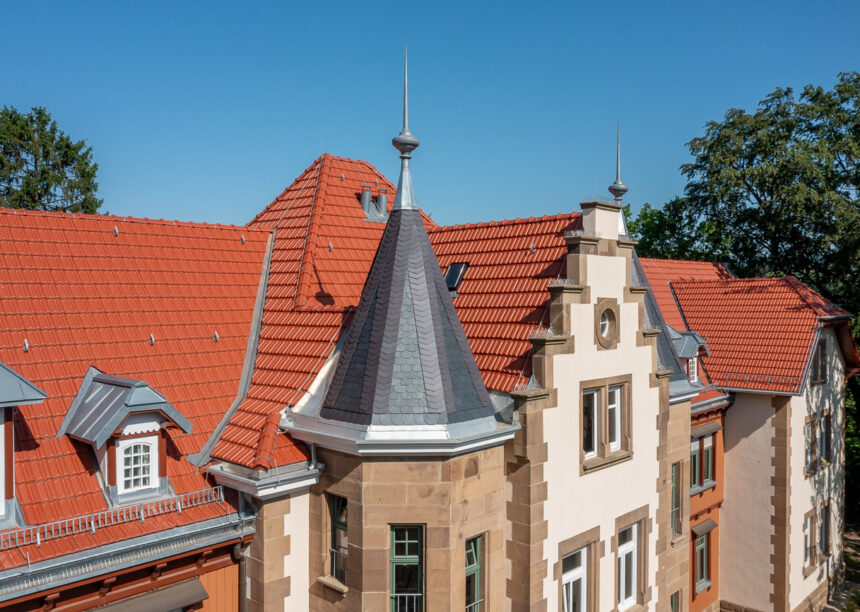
{"type": "Point", "coordinates": [137, 464]}
{"type": "Point", "coordinates": [589, 424]}
{"type": "Point", "coordinates": [693, 369]}
{"type": "Point", "coordinates": [613, 406]}
{"type": "Point", "coordinates": [574, 580]}
{"type": "Point", "coordinates": [627, 570]}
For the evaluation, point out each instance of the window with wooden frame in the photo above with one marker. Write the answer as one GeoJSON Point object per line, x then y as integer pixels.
{"type": "Point", "coordinates": [475, 574]}
{"type": "Point", "coordinates": [818, 373]}
{"type": "Point", "coordinates": [577, 572]}
{"type": "Point", "coordinates": [137, 464]}
{"type": "Point", "coordinates": [605, 426]}
{"type": "Point", "coordinates": [703, 580]}
{"type": "Point", "coordinates": [693, 369]}
{"type": "Point", "coordinates": [702, 463]}
{"type": "Point", "coordinates": [627, 572]}
{"type": "Point", "coordinates": [406, 571]}
{"type": "Point", "coordinates": [574, 581]}
{"type": "Point", "coordinates": [630, 546]}
{"type": "Point", "coordinates": [339, 548]}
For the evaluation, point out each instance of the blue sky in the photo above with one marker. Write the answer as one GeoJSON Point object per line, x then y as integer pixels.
{"type": "Point", "coordinates": [206, 111]}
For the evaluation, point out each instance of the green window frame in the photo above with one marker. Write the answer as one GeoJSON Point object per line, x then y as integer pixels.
{"type": "Point", "coordinates": [475, 574]}
{"type": "Point", "coordinates": [339, 550]}
{"type": "Point", "coordinates": [702, 578]}
{"type": "Point", "coordinates": [406, 572]}
{"type": "Point", "coordinates": [675, 602]}
{"type": "Point", "coordinates": [708, 460]}
{"type": "Point", "coordinates": [695, 465]}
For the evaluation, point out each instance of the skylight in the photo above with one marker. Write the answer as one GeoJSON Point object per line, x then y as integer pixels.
{"type": "Point", "coordinates": [454, 274]}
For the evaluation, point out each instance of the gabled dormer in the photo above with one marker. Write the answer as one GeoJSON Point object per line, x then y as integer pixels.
{"type": "Point", "coordinates": [125, 421]}
{"type": "Point", "coordinates": [15, 390]}
{"type": "Point", "coordinates": [689, 346]}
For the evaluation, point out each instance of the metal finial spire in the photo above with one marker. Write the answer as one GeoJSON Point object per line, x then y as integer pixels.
{"type": "Point", "coordinates": [405, 142]}
{"type": "Point", "coordinates": [618, 188]}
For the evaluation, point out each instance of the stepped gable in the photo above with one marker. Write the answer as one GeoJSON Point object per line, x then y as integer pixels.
{"type": "Point", "coordinates": [406, 360]}
{"type": "Point", "coordinates": [761, 331]}
{"type": "Point", "coordinates": [88, 290]}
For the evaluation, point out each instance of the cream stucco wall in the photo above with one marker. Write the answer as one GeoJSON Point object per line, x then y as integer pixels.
{"type": "Point", "coordinates": [296, 562]}
{"type": "Point", "coordinates": [745, 518]}
{"type": "Point", "coordinates": [576, 503]}
{"type": "Point", "coordinates": [826, 483]}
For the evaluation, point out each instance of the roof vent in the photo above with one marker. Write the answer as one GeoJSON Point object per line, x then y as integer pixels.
{"type": "Point", "coordinates": [454, 274]}
{"type": "Point", "coordinates": [382, 201]}
{"type": "Point", "coordinates": [365, 198]}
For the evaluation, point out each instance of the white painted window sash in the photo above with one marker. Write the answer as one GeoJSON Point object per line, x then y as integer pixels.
{"type": "Point", "coordinates": [628, 549]}
{"type": "Point", "coordinates": [614, 418]}
{"type": "Point", "coordinates": [570, 578]}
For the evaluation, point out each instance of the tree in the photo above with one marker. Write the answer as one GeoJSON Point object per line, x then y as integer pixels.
{"type": "Point", "coordinates": [41, 168]}
{"type": "Point", "coordinates": [776, 192]}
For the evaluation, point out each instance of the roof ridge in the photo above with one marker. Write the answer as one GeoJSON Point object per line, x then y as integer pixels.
{"type": "Point", "coordinates": [670, 260]}
{"type": "Point", "coordinates": [126, 219]}
{"type": "Point", "coordinates": [503, 222]}
{"type": "Point", "coordinates": [313, 222]}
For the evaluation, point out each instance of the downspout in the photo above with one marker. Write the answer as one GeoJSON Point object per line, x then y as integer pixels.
{"type": "Point", "coordinates": [239, 557]}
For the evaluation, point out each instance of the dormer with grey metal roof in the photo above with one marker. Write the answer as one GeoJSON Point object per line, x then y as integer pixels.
{"type": "Point", "coordinates": [15, 390]}
{"type": "Point", "coordinates": [105, 403]}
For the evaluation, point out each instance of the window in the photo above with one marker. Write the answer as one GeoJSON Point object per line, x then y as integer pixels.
{"type": "Point", "coordinates": [808, 540]}
{"type": "Point", "coordinates": [693, 369]}
{"type": "Point", "coordinates": [627, 581]}
{"type": "Point", "coordinates": [137, 464]}
{"type": "Point", "coordinates": [606, 323]}
{"type": "Point", "coordinates": [811, 450]}
{"type": "Point", "coordinates": [407, 568]}
{"type": "Point", "coordinates": [826, 451]}
{"type": "Point", "coordinates": [695, 465]}
{"type": "Point", "coordinates": [474, 574]}
{"type": "Point", "coordinates": [675, 602]}
{"type": "Point", "coordinates": [339, 542]}
{"type": "Point", "coordinates": [454, 275]}
{"type": "Point", "coordinates": [605, 422]}
{"type": "Point", "coordinates": [702, 576]}
{"type": "Point", "coordinates": [589, 424]}
{"type": "Point", "coordinates": [606, 320]}
{"type": "Point", "coordinates": [676, 498]}
{"type": "Point", "coordinates": [824, 535]}
{"type": "Point", "coordinates": [701, 463]}
{"type": "Point", "coordinates": [574, 581]}
{"type": "Point", "coordinates": [819, 363]}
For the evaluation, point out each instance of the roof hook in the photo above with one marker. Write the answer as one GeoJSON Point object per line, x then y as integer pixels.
{"type": "Point", "coordinates": [330, 246]}
{"type": "Point", "coordinates": [342, 177]}
{"type": "Point", "coordinates": [243, 238]}
{"type": "Point", "coordinates": [26, 345]}
{"type": "Point", "coordinates": [115, 230]}
{"type": "Point", "coordinates": [216, 337]}
{"type": "Point", "coordinates": [152, 338]}
{"type": "Point", "coordinates": [532, 248]}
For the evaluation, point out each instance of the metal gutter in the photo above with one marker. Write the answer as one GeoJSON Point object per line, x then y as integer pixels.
{"type": "Point", "coordinates": [204, 455]}
{"type": "Point", "coordinates": [117, 556]}
{"type": "Point", "coordinates": [268, 484]}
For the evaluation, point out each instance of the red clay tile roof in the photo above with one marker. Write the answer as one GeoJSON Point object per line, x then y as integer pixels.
{"type": "Point", "coordinates": [661, 272]}
{"type": "Point", "coordinates": [503, 297]}
{"type": "Point", "coordinates": [89, 290]}
{"type": "Point", "coordinates": [760, 331]}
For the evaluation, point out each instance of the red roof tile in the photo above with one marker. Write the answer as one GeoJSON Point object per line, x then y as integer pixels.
{"type": "Point", "coordinates": [89, 290]}
{"type": "Point", "coordinates": [662, 272]}
{"type": "Point", "coordinates": [760, 331]}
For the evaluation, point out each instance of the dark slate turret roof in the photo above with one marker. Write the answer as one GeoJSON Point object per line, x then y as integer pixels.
{"type": "Point", "coordinates": [406, 360]}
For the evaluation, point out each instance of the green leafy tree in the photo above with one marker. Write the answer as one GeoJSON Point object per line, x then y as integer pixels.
{"type": "Point", "coordinates": [775, 192]}
{"type": "Point", "coordinates": [41, 168]}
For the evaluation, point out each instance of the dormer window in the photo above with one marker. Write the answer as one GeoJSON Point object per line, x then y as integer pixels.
{"type": "Point", "coordinates": [138, 464]}
{"type": "Point", "coordinates": [125, 421]}
{"type": "Point", "coordinates": [693, 369]}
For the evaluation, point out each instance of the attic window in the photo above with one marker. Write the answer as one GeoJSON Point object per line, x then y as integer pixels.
{"type": "Point", "coordinates": [138, 463]}
{"type": "Point", "coordinates": [454, 274]}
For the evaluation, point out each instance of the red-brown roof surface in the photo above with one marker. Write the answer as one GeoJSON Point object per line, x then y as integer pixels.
{"type": "Point", "coordinates": [760, 331]}
{"type": "Point", "coordinates": [662, 272]}
{"type": "Point", "coordinates": [89, 290]}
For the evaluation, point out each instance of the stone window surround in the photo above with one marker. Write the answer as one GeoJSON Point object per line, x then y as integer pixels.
{"type": "Point", "coordinates": [818, 369]}
{"type": "Point", "coordinates": [811, 463]}
{"type": "Point", "coordinates": [589, 539]}
{"type": "Point", "coordinates": [824, 511]}
{"type": "Point", "coordinates": [605, 457]}
{"type": "Point", "coordinates": [642, 518]}
{"type": "Point", "coordinates": [610, 340]}
{"type": "Point", "coordinates": [810, 566]}
{"type": "Point", "coordinates": [326, 578]}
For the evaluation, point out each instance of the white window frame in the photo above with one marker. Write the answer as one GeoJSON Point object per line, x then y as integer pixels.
{"type": "Point", "coordinates": [121, 446]}
{"type": "Point", "coordinates": [617, 391]}
{"type": "Point", "coordinates": [693, 369]}
{"type": "Point", "coordinates": [604, 323]}
{"type": "Point", "coordinates": [569, 577]}
{"type": "Point", "coordinates": [595, 423]}
{"type": "Point", "coordinates": [628, 548]}
{"type": "Point", "coordinates": [807, 541]}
